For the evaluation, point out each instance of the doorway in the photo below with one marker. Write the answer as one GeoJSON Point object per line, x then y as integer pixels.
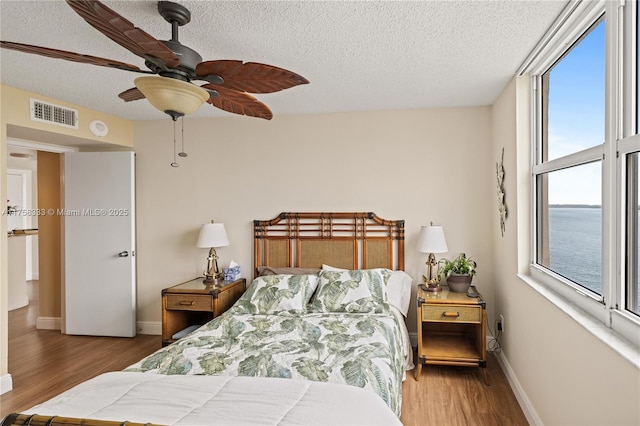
{"type": "Point", "coordinates": [31, 163]}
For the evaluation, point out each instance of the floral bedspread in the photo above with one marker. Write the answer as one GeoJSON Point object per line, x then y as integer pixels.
{"type": "Point", "coordinates": [363, 350]}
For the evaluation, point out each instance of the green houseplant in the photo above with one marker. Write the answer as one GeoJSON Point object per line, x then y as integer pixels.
{"type": "Point", "coordinates": [458, 272]}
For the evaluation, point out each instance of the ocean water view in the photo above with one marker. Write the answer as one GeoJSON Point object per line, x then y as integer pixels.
{"type": "Point", "coordinates": [575, 245]}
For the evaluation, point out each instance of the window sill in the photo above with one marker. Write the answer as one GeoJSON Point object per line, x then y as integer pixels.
{"type": "Point", "coordinates": [619, 344]}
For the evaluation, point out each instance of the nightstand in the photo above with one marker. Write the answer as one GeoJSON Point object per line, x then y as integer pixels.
{"type": "Point", "coordinates": [194, 303]}
{"type": "Point", "coordinates": [451, 330]}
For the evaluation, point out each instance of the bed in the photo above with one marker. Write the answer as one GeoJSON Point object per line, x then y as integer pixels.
{"type": "Point", "coordinates": [317, 338]}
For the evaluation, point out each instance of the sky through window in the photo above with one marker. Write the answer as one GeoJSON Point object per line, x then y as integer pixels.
{"type": "Point", "coordinates": [576, 115]}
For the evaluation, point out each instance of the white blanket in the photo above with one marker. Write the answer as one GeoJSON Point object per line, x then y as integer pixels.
{"type": "Point", "coordinates": [218, 400]}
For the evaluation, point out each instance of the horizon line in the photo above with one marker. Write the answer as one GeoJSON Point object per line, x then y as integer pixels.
{"type": "Point", "coordinates": [593, 206]}
{"type": "Point", "coordinates": [578, 206]}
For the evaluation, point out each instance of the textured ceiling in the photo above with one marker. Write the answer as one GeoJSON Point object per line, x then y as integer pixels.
{"type": "Point", "coordinates": [357, 55]}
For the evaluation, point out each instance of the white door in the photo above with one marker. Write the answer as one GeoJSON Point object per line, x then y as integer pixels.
{"type": "Point", "coordinates": [99, 236]}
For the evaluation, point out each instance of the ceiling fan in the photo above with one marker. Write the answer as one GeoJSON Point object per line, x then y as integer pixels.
{"type": "Point", "coordinates": [228, 82]}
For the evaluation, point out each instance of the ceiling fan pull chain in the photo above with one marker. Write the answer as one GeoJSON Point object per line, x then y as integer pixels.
{"type": "Point", "coordinates": [182, 153]}
{"type": "Point", "coordinates": [174, 164]}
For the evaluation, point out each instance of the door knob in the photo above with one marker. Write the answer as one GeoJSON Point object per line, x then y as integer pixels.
{"type": "Point", "coordinates": [123, 254]}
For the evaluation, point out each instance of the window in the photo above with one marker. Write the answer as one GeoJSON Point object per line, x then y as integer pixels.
{"type": "Point", "coordinates": [573, 100]}
{"type": "Point", "coordinates": [570, 225]}
{"type": "Point", "coordinates": [568, 190]}
{"type": "Point", "coordinates": [586, 162]}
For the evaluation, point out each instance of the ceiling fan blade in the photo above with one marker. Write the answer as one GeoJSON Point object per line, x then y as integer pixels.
{"type": "Point", "coordinates": [122, 31]}
{"type": "Point", "coordinates": [238, 102]}
{"type": "Point", "coordinates": [250, 77]}
{"type": "Point", "coordinates": [70, 56]}
{"type": "Point", "coordinates": [132, 94]}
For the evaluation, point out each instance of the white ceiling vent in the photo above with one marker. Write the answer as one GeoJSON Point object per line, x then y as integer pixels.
{"type": "Point", "coordinates": [54, 114]}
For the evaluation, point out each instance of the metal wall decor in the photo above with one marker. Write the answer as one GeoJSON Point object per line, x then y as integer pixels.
{"type": "Point", "coordinates": [502, 206]}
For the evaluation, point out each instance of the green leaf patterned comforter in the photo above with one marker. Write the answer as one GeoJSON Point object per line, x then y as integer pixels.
{"type": "Point", "coordinates": [363, 350]}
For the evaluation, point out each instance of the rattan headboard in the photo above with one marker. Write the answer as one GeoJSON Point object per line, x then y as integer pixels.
{"type": "Point", "coordinates": [344, 240]}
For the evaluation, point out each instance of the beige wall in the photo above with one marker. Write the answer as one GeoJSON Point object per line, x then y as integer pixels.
{"type": "Point", "coordinates": [16, 123]}
{"type": "Point", "coordinates": [569, 376]}
{"type": "Point", "coordinates": [417, 165]}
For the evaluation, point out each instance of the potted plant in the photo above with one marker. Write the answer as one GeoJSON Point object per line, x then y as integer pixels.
{"type": "Point", "coordinates": [458, 272]}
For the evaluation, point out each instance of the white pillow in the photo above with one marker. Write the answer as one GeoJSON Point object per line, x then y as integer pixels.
{"type": "Point", "coordinates": [398, 288]}
{"type": "Point", "coordinates": [399, 291]}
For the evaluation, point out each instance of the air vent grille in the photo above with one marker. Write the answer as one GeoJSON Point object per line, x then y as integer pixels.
{"type": "Point", "coordinates": [54, 114]}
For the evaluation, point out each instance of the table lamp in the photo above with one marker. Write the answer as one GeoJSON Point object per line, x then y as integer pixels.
{"type": "Point", "coordinates": [212, 235]}
{"type": "Point", "coordinates": [431, 240]}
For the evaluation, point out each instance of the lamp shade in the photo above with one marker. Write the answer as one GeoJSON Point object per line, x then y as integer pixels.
{"type": "Point", "coordinates": [169, 94]}
{"type": "Point", "coordinates": [431, 240]}
{"type": "Point", "coordinates": [212, 235]}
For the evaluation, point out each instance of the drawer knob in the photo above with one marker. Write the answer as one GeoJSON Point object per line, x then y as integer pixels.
{"type": "Point", "coordinates": [187, 302]}
{"type": "Point", "coordinates": [451, 314]}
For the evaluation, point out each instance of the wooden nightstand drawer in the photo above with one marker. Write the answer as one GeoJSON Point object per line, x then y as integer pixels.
{"type": "Point", "coordinates": [189, 302]}
{"type": "Point", "coordinates": [452, 313]}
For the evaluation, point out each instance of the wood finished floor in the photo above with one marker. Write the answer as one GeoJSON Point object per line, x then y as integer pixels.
{"type": "Point", "coordinates": [448, 395]}
{"type": "Point", "coordinates": [44, 363]}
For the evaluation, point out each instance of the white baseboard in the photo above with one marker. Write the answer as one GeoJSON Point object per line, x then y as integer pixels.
{"type": "Point", "coordinates": [142, 327]}
{"type": "Point", "coordinates": [525, 403]}
{"type": "Point", "coordinates": [49, 323]}
{"type": "Point", "coordinates": [6, 383]}
{"type": "Point", "coordinates": [149, 327]}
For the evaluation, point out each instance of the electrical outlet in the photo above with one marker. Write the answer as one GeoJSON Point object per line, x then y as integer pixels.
{"type": "Point", "coordinates": [500, 323]}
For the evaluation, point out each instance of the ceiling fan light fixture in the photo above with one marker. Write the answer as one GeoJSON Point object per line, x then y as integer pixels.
{"type": "Point", "coordinates": [168, 94]}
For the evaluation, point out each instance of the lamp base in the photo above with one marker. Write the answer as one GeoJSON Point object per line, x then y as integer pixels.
{"type": "Point", "coordinates": [433, 288]}
{"type": "Point", "coordinates": [432, 279]}
{"type": "Point", "coordinates": [212, 275]}
{"type": "Point", "coordinates": [213, 280]}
